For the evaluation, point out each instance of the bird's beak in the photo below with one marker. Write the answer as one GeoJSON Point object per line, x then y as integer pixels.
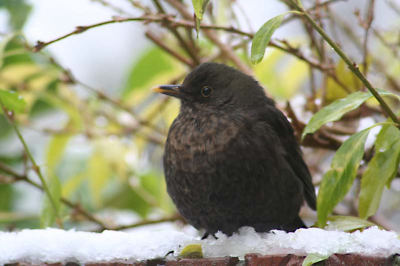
{"type": "Point", "coordinates": [170, 90]}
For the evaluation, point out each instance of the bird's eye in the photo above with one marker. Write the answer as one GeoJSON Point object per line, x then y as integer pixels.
{"type": "Point", "coordinates": [206, 91]}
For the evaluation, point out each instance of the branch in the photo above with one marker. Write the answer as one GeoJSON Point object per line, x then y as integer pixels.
{"type": "Point", "coordinates": [79, 29]}
{"type": "Point", "coordinates": [112, 7]}
{"type": "Point", "coordinates": [189, 24]}
{"type": "Point", "coordinates": [212, 36]}
{"type": "Point", "coordinates": [161, 44]}
{"type": "Point", "coordinates": [376, 61]}
{"type": "Point", "coordinates": [171, 218]}
{"type": "Point", "coordinates": [366, 24]}
{"type": "Point", "coordinates": [69, 78]}
{"type": "Point", "coordinates": [352, 65]}
{"type": "Point", "coordinates": [317, 6]}
{"type": "Point", "coordinates": [18, 177]}
{"type": "Point", "coordinates": [35, 167]}
{"type": "Point", "coordinates": [78, 208]}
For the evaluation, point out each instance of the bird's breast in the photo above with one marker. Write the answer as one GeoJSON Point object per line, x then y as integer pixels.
{"type": "Point", "coordinates": [196, 143]}
{"type": "Point", "coordinates": [209, 135]}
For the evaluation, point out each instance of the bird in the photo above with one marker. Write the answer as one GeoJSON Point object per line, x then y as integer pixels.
{"type": "Point", "coordinates": [231, 158]}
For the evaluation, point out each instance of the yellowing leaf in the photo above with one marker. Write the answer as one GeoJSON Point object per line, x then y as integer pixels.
{"type": "Point", "coordinates": [282, 75]}
{"type": "Point", "coordinates": [72, 184]}
{"type": "Point", "coordinates": [55, 150]}
{"type": "Point", "coordinates": [192, 251]}
{"type": "Point", "coordinates": [314, 258]}
{"type": "Point", "coordinates": [99, 174]}
{"type": "Point", "coordinates": [114, 152]}
{"type": "Point", "coordinates": [335, 91]}
{"type": "Point", "coordinates": [35, 78]}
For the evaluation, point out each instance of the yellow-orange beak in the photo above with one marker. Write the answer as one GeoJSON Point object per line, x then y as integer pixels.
{"type": "Point", "coordinates": [171, 90]}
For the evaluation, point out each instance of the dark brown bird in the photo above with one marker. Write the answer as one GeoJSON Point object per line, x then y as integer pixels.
{"type": "Point", "coordinates": [231, 157]}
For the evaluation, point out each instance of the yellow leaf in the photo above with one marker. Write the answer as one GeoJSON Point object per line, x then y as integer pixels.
{"type": "Point", "coordinates": [280, 74]}
{"type": "Point", "coordinates": [99, 173]}
{"type": "Point", "coordinates": [192, 251]}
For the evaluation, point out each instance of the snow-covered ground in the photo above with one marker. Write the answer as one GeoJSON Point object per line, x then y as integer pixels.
{"type": "Point", "coordinates": [54, 245]}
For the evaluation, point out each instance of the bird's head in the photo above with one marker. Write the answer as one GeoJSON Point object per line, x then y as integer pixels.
{"type": "Point", "coordinates": [216, 87]}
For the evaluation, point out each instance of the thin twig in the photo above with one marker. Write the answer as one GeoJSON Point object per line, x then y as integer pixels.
{"type": "Point", "coordinates": [366, 24]}
{"type": "Point", "coordinates": [170, 51]}
{"type": "Point", "coordinates": [189, 49]}
{"type": "Point", "coordinates": [112, 7]}
{"type": "Point", "coordinates": [35, 167]}
{"type": "Point", "coordinates": [376, 61]}
{"type": "Point", "coordinates": [212, 36]}
{"type": "Point", "coordinates": [392, 47]}
{"type": "Point", "coordinates": [352, 65]}
{"type": "Point", "coordinates": [311, 9]}
{"type": "Point", "coordinates": [171, 218]}
{"type": "Point", "coordinates": [189, 24]}
{"type": "Point", "coordinates": [101, 95]}
{"type": "Point", "coordinates": [78, 208]}
{"type": "Point", "coordinates": [79, 29]}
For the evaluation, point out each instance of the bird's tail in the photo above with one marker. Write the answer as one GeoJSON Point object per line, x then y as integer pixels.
{"type": "Point", "coordinates": [288, 227]}
{"type": "Point", "coordinates": [294, 225]}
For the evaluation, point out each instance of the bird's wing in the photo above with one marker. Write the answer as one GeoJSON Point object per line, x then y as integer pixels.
{"type": "Point", "coordinates": [294, 156]}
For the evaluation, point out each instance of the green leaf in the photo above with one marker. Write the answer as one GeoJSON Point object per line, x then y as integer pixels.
{"type": "Point", "coordinates": [6, 128]}
{"type": "Point", "coordinates": [338, 108]}
{"type": "Point", "coordinates": [150, 66]}
{"type": "Point", "coordinates": [381, 169]}
{"type": "Point", "coordinates": [384, 141]}
{"type": "Point", "coordinates": [338, 180]}
{"type": "Point", "coordinates": [200, 7]}
{"type": "Point", "coordinates": [263, 36]}
{"type": "Point", "coordinates": [127, 198]}
{"type": "Point", "coordinates": [198, 21]}
{"type": "Point", "coordinates": [152, 183]}
{"type": "Point", "coordinates": [19, 11]}
{"type": "Point", "coordinates": [386, 136]}
{"type": "Point", "coordinates": [314, 258]}
{"type": "Point", "coordinates": [348, 223]}
{"type": "Point", "coordinates": [193, 251]}
{"type": "Point", "coordinates": [13, 53]}
{"type": "Point", "coordinates": [6, 197]}
{"type": "Point", "coordinates": [3, 44]}
{"type": "Point", "coordinates": [48, 215]}
{"type": "Point", "coordinates": [12, 101]}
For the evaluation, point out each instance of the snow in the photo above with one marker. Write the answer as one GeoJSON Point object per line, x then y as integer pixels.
{"type": "Point", "coordinates": [55, 245]}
